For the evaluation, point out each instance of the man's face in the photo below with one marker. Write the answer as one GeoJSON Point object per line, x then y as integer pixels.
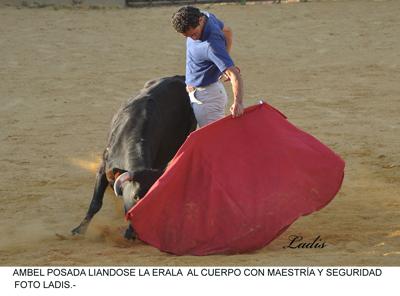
{"type": "Point", "coordinates": [195, 33]}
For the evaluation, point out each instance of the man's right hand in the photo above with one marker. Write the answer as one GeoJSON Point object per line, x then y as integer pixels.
{"type": "Point", "coordinates": [237, 109]}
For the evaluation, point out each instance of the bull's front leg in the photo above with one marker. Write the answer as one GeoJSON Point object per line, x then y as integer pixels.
{"type": "Point", "coordinates": [130, 233]}
{"type": "Point", "coordinates": [96, 203]}
{"type": "Point", "coordinates": [128, 195]}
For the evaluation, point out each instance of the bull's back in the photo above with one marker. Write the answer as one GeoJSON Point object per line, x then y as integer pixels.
{"type": "Point", "coordinates": [172, 117]}
{"type": "Point", "coordinates": [150, 128]}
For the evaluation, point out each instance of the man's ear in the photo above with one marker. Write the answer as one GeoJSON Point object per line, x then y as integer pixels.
{"type": "Point", "coordinates": [202, 20]}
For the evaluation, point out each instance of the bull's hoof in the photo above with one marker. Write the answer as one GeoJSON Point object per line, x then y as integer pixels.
{"type": "Point", "coordinates": [80, 230]}
{"type": "Point", "coordinates": [130, 233]}
{"type": "Point", "coordinates": [76, 231]}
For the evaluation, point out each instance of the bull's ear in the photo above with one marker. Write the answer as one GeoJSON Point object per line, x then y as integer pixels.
{"type": "Point", "coordinates": [147, 175]}
{"type": "Point", "coordinates": [146, 178]}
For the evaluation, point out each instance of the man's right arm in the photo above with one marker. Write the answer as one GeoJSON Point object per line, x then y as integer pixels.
{"type": "Point", "coordinates": [237, 107]}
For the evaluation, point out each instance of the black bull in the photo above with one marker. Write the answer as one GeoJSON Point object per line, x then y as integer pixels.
{"type": "Point", "coordinates": [145, 134]}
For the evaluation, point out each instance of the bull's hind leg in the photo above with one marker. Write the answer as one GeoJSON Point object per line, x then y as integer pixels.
{"type": "Point", "coordinates": [97, 201]}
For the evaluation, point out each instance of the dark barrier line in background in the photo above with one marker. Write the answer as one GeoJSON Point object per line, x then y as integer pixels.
{"type": "Point", "coordinates": [123, 3]}
{"type": "Point", "coordinates": [136, 3]}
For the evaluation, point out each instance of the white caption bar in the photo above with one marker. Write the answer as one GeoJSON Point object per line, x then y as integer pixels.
{"type": "Point", "coordinates": [195, 280]}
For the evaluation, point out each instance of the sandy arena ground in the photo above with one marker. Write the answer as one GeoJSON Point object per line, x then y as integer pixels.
{"type": "Point", "coordinates": [332, 67]}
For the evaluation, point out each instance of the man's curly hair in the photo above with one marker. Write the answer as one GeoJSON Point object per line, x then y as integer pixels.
{"type": "Point", "coordinates": [185, 18]}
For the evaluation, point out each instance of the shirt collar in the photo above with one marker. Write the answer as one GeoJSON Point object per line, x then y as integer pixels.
{"type": "Point", "coordinates": [206, 30]}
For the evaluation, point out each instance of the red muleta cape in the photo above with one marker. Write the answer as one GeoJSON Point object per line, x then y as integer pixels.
{"type": "Point", "coordinates": [236, 184]}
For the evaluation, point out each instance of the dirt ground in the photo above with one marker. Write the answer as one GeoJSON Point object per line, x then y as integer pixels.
{"type": "Point", "coordinates": [332, 67]}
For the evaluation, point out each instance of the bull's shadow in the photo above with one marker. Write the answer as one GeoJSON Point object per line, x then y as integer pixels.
{"type": "Point", "coordinates": [145, 134]}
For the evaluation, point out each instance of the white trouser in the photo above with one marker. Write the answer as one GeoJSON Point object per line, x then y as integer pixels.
{"type": "Point", "coordinates": [209, 103]}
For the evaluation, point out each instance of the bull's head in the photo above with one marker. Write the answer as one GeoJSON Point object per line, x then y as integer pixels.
{"type": "Point", "coordinates": [132, 186]}
{"type": "Point", "coordinates": [126, 187]}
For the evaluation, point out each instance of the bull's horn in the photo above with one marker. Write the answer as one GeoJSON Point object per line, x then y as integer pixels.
{"type": "Point", "coordinates": [127, 176]}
